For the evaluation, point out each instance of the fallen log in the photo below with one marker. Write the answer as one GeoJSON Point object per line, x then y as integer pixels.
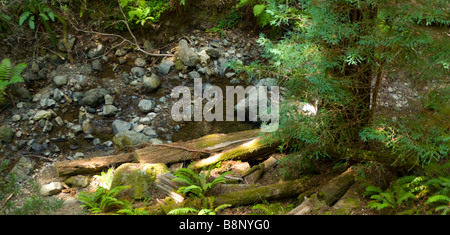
{"type": "Point", "coordinates": [91, 165]}
{"type": "Point", "coordinates": [245, 152]}
{"type": "Point", "coordinates": [194, 149]}
{"type": "Point", "coordinates": [239, 198]}
{"type": "Point", "coordinates": [334, 189]}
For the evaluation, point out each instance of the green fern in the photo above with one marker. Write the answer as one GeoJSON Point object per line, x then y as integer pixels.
{"type": "Point", "coordinates": [198, 184]}
{"type": "Point", "coordinates": [204, 211]}
{"type": "Point", "coordinates": [9, 74]}
{"type": "Point", "coordinates": [102, 200]}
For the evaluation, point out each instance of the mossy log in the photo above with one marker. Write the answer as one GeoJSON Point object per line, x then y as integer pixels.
{"type": "Point", "coordinates": [334, 189]}
{"type": "Point", "coordinates": [194, 149]}
{"type": "Point", "coordinates": [245, 152]}
{"type": "Point", "coordinates": [239, 198]}
{"type": "Point", "coordinates": [91, 165]}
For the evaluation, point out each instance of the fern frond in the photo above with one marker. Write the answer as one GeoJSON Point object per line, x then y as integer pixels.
{"type": "Point", "coordinates": [438, 198]}
{"type": "Point", "coordinates": [182, 211]}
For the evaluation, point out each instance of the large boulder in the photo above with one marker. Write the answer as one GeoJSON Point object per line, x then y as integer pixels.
{"type": "Point", "coordinates": [129, 138]}
{"type": "Point", "coordinates": [187, 55]}
{"type": "Point", "coordinates": [140, 176]}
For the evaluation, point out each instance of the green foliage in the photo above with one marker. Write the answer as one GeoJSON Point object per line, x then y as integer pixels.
{"type": "Point", "coordinates": [198, 184]}
{"type": "Point", "coordinates": [10, 75]}
{"type": "Point", "coordinates": [328, 58]}
{"type": "Point", "coordinates": [272, 209]}
{"type": "Point", "coordinates": [229, 22]}
{"type": "Point", "coordinates": [106, 178]}
{"type": "Point", "coordinates": [399, 194]}
{"type": "Point", "coordinates": [142, 11]}
{"type": "Point", "coordinates": [4, 20]}
{"type": "Point", "coordinates": [406, 189]}
{"type": "Point", "coordinates": [101, 200]}
{"type": "Point", "coordinates": [33, 205]}
{"type": "Point", "coordinates": [204, 211]}
{"type": "Point", "coordinates": [128, 209]}
{"type": "Point", "coordinates": [36, 9]}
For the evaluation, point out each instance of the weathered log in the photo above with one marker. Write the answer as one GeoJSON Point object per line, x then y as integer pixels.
{"type": "Point", "coordinates": [245, 152]}
{"type": "Point", "coordinates": [194, 149]}
{"type": "Point", "coordinates": [239, 198]}
{"type": "Point", "coordinates": [91, 165]}
{"type": "Point", "coordinates": [334, 189]}
{"type": "Point", "coordinates": [358, 155]}
{"type": "Point", "coordinates": [256, 172]}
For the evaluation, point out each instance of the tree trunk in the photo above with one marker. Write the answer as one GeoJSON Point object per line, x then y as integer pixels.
{"type": "Point", "coordinates": [194, 149]}
{"type": "Point", "coordinates": [91, 165]}
{"type": "Point", "coordinates": [334, 189]}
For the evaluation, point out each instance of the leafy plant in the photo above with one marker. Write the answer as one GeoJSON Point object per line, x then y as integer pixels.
{"type": "Point", "coordinates": [229, 22]}
{"type": "Point", "coordinates": [36, 9]}
{"type": "Point", "coordinates": [102, 200]}
{"type": "Point", "coordinates": [393, 197]}
{"type": "Point", "coordinates": [198, 184]}
{"type": "Point", "coordinates": [128, 209]}
{"type": "Point", "coordinates": [4, 20]}
{"type": "Point", "coordinates": [106, 178]}
{"type": "Point", "coordinates": [10, 75]}
{"type": "Point", "coordinates": [189, 210]}
{"type": "Point", "coordinates": [142, 11]}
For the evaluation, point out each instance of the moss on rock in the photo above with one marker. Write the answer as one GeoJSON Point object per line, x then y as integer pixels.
{"type": "Point", "coordinates": [141, 177]}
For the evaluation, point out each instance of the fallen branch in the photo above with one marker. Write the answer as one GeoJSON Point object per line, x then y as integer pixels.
{"type": "Point", "coordinates": [91, 165]}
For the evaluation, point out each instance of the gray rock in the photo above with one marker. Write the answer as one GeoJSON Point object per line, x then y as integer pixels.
{"type": "Point", "coordinates": [109, 110]}
{"type": "Point", "coordinates": [165, 67]}
{"type": "Point", "coordinates": [121, 52]}
{"type": "Point", "coordinates": [41, 114]}
{"type": "Point", "coordinates": [96, 51]}
{"type": "Point", "coordinates": [15, 118]}
{"type": "Point", "coordinates": [151, 83]}
{"type": "Point", "coordinates": [62, 47]}
{"type": "Point", "coordinates": [93, 97]}
{"type": "Point", "coordinates": [47, 127]}
{"type": "Point", "coordinates": [129, 138]}
{"type": "Point", "coordinates": [109, 99]}
{"type": "Point", "coordinates": [194, 74]}
{"type": "Point", "coordinates": [140, 62]}
{"type": "Point", "coordinates": [23, 168]}
{"type": "Point", "coordinates": [51, 188]}
{"type": "Point", "coordinates": [97, 65]}
{"type": "Point", "coordinates": [146, 106]}
{"type": "Point", "coordinates": [187, 55]}
{"type": "Point", "coordinates": [60, 80]}
{"type": "Point", "coordinates": [138, 71]}
{"type": "Point", "coordinates": [149, 131]}
{"type": "Point", "coordinates": [46, 102]}
{"type": "Point", "coordinates": [77, 181]}
{"type": "Point", "coordinates": [214, 53]}
{"type": "Point", "coordinates": [76, 128]}
{"type": "Point", "coordinates": [120, 126]}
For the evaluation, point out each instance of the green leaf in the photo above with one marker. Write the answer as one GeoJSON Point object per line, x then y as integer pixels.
{"type": "Point", "coordinates": [31, 23]}
{"type": "Point", "coordinates": [24, 17]}
{"type": "Point", "coordinates": [5, 17]}
{"type": "Point", "coordinates": [44, 17]}
{"type": "Point", "coordinates": [258, 9]}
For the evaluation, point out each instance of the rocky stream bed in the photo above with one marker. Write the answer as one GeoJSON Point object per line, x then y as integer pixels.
{"type": "Point", "coordinates": [116, 99]}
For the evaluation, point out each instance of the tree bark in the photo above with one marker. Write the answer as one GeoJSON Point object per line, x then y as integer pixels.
{"type": "Point", "coordinates": [91, 165]}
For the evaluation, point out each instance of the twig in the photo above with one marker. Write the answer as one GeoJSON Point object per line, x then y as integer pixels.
{"type": "Point", "coordinates": [184, 148]}
{"type": "Point", "coordinates": [7, 199]}
{"type": "Point", "coordinates": [41, 157]}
